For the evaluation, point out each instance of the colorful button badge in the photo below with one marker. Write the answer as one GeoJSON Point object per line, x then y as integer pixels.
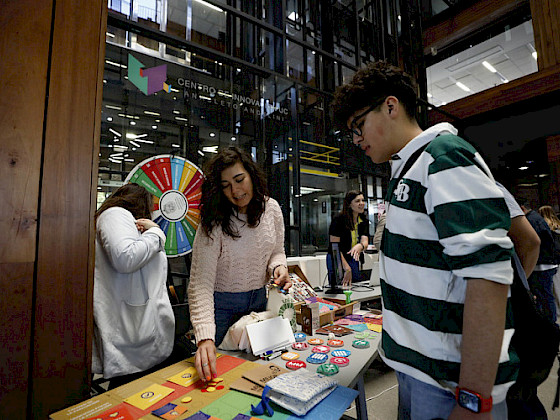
{"type": "Point", "coordinates": [300, 346]}
{"type": "Point", "coordinates": [296, 364]}
{"type": "Point", "coordinates": [341, 353]}
{"type": "Point", "coordinates": [317, 358]}
{"type": "Point", "coordinates": [360, 344]}
{"type": "Point", "coordinates": [335, 343]}
{"type": "Point", "coordinates": [320, 349]}
{"type": "Point", "coordinates": [327, 369]}
{"type": "Point", "coordinates": [340, 361]}
{"type": "Point", "coordinates": [290, 355]}
{"type": "Point", "coordinates": [315, 341]}
{"type": "Point", "coordinates": [300, 337]}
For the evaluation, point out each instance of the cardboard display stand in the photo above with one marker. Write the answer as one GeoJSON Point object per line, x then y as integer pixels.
{"type": "Point", "coordinates": [326, 317]}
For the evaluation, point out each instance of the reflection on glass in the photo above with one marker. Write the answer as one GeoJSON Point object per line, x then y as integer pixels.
{"type": "Point", "coordinates": [312, 60]}
{"type": "Point", "coordinates": [296, 68]}
{"type": "Point", "coordinates": [208, 25]}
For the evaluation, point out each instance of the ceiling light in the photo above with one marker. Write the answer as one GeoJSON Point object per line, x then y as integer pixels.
{"type": "Point", "coordinates": [152, 113]}
{"type": "Point", "coordinates": [129, 160]}
{"type": "Point", "coordinates": [115, 64]}
{"type": "Point", "coordinates": [144, 141]}
{"type": "Point", "coordinates": [462, 86]}
{"type": "Point", "coordinates": [210, 149]}
{"type": "Point", "coordinates": [115, 132]}
{"type": "Point", "coordinates": [109, 34]}
{"type": "Point", "coordinates": [130, 136]}
{"type": "Point", "coordinates": [134, 143]}
{"type": "Point", "coordinates": [200, 153]}
{"type": "Point", "coordinates": [176, 112]}
{"type": "Point", "coordinates": [174, 90]}
{"type": "Point", "coordinates": [212, 134]}
{"type": "Point", "coordinates": [233, 138]}
{"type": "Point", "coordinates": [210, 6]}
{"type": "Point", "coordinates": [181, 119]}
{"type": "Point", "coordinates": [489, 66]}
{"type": "Point", "coordinates": [154, 127]}
{"type": "Point", "coordinates": [118, 108]}
{"type": "Point", "coordinates": [175, 145]}
{"type": "Point", "coordinates": [522, 168]}
{"type": "Point", "coordinates": [132, 122]}
{"type": "Point", "coordinates": [109, 119]}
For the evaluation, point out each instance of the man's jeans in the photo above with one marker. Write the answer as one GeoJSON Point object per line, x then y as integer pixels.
{"type": "Point", "coordinates": [421, 401]}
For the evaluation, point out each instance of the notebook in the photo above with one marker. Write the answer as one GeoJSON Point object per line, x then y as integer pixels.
{"type": "Point", "coordinates": [270, 335]}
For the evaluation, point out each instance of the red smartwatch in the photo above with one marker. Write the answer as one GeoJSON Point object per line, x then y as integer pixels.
{"type": "Point", "coordinates": [473, 401]}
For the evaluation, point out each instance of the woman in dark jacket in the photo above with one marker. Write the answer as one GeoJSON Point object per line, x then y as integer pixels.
{"type": "Point", "coordinates": [350, 230]}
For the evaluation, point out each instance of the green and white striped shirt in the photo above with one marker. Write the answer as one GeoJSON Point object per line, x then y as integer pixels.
{"type": "Point", "coordinates": [447, 221]}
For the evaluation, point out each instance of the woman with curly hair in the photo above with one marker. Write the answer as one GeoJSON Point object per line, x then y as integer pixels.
{"type": "Point", "coordinates": [239, 245]}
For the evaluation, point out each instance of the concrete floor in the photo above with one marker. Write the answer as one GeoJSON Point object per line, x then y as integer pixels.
{"type": "Point", "coordinates": [382, 393]}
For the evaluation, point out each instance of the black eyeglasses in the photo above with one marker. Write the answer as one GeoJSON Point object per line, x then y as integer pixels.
{"type": "Point", "coordinates": [357, 128]}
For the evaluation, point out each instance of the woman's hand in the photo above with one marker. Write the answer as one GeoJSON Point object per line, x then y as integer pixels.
{"type": "Point", "coordinates": [347, 280]}
{"type": "Point", "coordinates": [205, 360]}
{"type": "Point", "coordinates": [281, 277]}
{"type": "Point", "coordinates": [144, 224]}
{"type": "Point", "coordinates": [356, 251]}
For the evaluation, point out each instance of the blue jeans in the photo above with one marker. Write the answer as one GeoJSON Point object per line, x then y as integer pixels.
{"type": "Point", "coordinates": [230, 307]}
{"type": "Point", "coordinates": [421, 401]}
{"type": "Point", "coordinates": [540, 283]}
{"type": "Point", "coordinates": [354, 265]}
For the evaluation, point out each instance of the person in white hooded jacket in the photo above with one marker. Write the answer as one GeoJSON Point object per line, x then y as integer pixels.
{"type": "Point", "coordinates": [134, 325]}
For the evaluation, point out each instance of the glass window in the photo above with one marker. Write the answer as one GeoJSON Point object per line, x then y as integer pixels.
{"type": "Point", "coordinates": [313, 60]}
{"type": "Point", "coordinates": [296, 68]}
{"type": "Point", "coordinates": [207, 25]}
{"type": "Point", "coordinates": [504, 57]}
{"type": "Point", "coordinates": [120, 6]}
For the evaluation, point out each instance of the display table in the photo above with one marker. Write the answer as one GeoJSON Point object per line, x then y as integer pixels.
{"type": "Point", "coordinates": [361, 294]}
{"type": "Point", "coordinates": [222, 403]}
{"type": "Point", "coordinates": [351, 376]}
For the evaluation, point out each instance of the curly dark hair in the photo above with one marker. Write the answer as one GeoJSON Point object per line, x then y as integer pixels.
{"type": "Point", "coordinates": [132, 197]}
{"type": "Point", "coordinates": [215, 208]}
{"type": "Point", "coordinates": [370, 85]}
{"type": "Point", "coordinates": [347, 211]}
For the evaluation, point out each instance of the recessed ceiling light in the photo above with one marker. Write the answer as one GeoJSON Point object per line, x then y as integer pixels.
{"type": "Point", "coordinates": [212, 134]}
{"type": "Point", "coordinates": [109, 119]}
{"type": "Point", "coordinates": [233, 138]}
{"type": "Point", "coordinates": [154, 127]}
{"type": "Point", "coordinates": [489, 66]}
{"type": "Point", "coordinates": [132, 122]}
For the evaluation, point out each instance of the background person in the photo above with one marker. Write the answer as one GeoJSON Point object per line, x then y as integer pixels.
{"type": "Point", "coordinates": [350, 229]}
{"type": "Point", "coordinates": [134, 325]}
{"type": "Point", "coordinates": [239, 245]}
{"type": "Point", "coordinates": [540, 280]}
{"type": "Point", "coordinates": [445, 259]}
{"type": "Point", "coordinates": [554, 223]}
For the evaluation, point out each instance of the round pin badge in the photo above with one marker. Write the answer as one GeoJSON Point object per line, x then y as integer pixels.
{"type": "Point", "coordinates": [360, 344]}
{"type": "Point", "coordinates": [290, 355]}
{"type": "Point", "coordinates": [300, 346]}
{"type": "Point", "coordinates": [365, 334]}
{"type": "Point", "coordinates": [317, 358]}
{"type": "Point", "coordinates": [300, 337]}
{"type": "Point", "coordinates": [315, 341]}
{"type": "Point", "coordinates": [341, 353]}
{"type": "Point", "coordinates": [327, 369]}
{"type": "Point", "coordinates": [320, 349]}
{"type": "Point", "coordinates": [296, 364]}
{"type": "Point", "coordinates": [335, 343]}
{"type": "Point", "coordinates": [340, 361]}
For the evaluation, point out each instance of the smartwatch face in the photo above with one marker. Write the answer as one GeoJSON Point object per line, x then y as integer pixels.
{"type": "Point", "coordinates": [469, 401]}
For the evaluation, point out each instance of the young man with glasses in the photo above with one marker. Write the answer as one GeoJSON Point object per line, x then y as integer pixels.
{"type": "Point", "coordinates": [445, 255]}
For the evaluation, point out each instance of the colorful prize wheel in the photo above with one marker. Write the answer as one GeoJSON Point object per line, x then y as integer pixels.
{"type": "Point", "coordinates": [176, 183]}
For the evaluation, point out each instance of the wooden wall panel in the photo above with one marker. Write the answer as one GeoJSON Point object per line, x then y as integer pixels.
{"type": "Point", "coordinates": [546, 27]}
{"type": "Point", "coordinates": [65, 249]}
{"type": "Point", "coordinates": [26, 27]}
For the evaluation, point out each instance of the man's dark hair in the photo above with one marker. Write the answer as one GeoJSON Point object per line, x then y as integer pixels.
{"type": "Point", "coordinates": [370, 85]}
{"type": "Point", "coordinates": [215, 208]}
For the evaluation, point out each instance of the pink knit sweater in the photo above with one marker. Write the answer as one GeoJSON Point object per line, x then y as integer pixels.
{"type": "Point", "coordinates": [224, 264]}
